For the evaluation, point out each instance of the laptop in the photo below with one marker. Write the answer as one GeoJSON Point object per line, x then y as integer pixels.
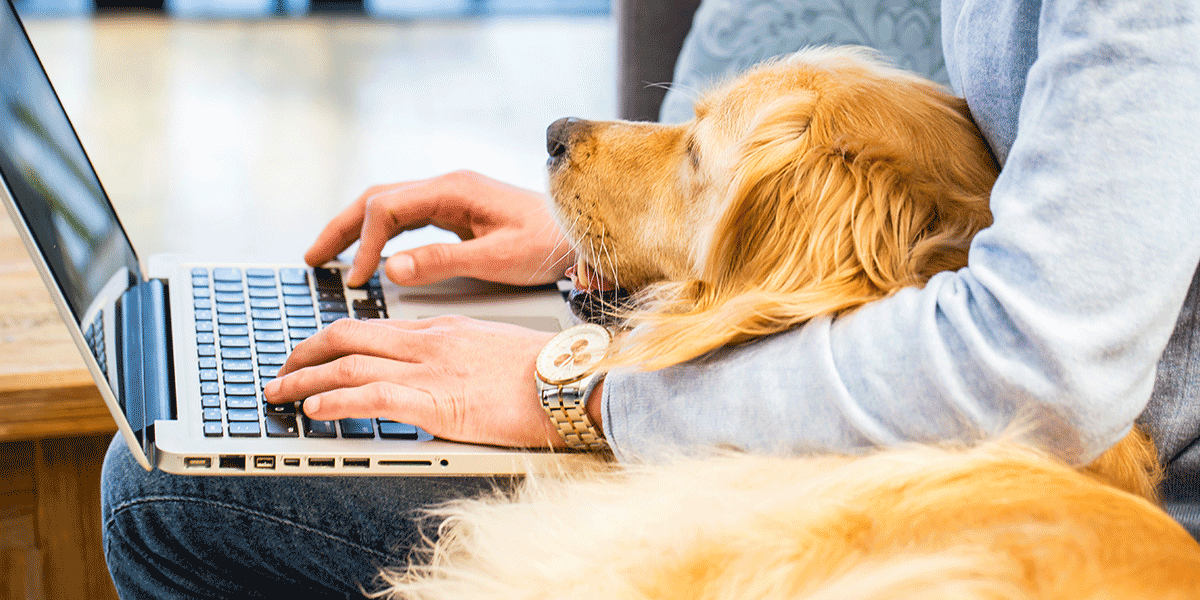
{"type": "Point", "coordinates": [181, 349]}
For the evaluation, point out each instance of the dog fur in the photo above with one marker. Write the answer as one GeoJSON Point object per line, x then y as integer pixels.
{"type": "Point", "coordinates": [809, 186]}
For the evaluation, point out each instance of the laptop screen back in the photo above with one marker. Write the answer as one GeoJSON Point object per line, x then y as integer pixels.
{"type": "Point", "coordinates": [50, 178]}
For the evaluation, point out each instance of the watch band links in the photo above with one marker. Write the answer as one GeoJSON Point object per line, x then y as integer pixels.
{"type": "Point", "coordinates": [566, 409]}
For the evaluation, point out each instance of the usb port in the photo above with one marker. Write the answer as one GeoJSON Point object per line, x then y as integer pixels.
{"type": "Point", "coordinates": [356, 462]}
{"type": "Point", "coordinates": [197, 462]}
{"type": "Point", "coordinates": [264, 462]}
{"type": "Point", "coordinates": [320, 462]}
{"type": "Point", "coordinates": [233, 461]}
{"type": "Point", "coordinates": [291, 462]}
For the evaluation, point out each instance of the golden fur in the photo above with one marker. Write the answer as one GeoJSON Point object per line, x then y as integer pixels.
{"type": "Point", "coordinates": [832, 181]}
{"type": "Point", "coordinates": [808, 186]}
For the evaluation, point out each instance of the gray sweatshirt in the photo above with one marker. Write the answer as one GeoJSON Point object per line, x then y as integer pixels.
{"type": "Point", "coordinates": [1069, 298]}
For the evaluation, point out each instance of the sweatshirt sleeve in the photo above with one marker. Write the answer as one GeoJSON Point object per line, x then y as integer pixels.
{"type": "Point", "coordinates": [1066, 304]}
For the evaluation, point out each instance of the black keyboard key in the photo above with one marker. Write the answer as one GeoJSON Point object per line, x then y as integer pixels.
{"type": "Point", "coordinates": [328, 279]}
{"type": "Point", "coordinates": [232, 319]}
{"type": "Point", "coordinates": [239, 377]}
{"type": "Point", "coordinates": [233, 330]}
{"type": "Point", "coordinates": [397, 431]}
{"type": "Point", "coordinates": [268, 336]}
{"type": "Point", "coordinates": [358, 428]}
{"type": "Point", "coordinates": [210, 401]}
{"type": "Point", "coordinates": [302, 322]}
{"type": "Point", "coordinates": [319, 429]}
{"type": "Point", "coordinates": [328, 318]}
{"type": "Point", "coordinates": [365, 313]}
{"type": "Point", "coordinates": [301, 333]}
{"type": "Point", "coordinates": [264, 302]}
{"type": "Point", "coordinates": [240, 389]}
{"type": "Point", "coordinates": [242, 414]}
{"type": "Point", "coordinates": [300, 311]}
{"type": "Point", "coordinates": [271, 348]}
{"type": "Point", "coordinates": [224, 308]}
{"type": "Point", "coordinates": [296, 290]}
{"type": "Point", "coordinates": [287, 408]}
{"type": "Point", "coordinates": [331, 296]}
{"type": "Point", "coordinates": [260, 292]}
{"type": "Point", "coordinates": [268, 325]}
{"type": "Point", "coordinates": [209, 362]}
{"type": "Point", "coordinates": [367, 304]}
{"type": "Point", "coordinates": [227, 274]}
{"type": "Point", "coordinates": [212, 414]}
{"type": "Point", "coordinates": [244, 429]}
{"type": "Point", "coordinates": [237, 365]}
{"type": "Point", "coordinates": [293, 276]}
{"type": "Point", "coordinates": [272, 359]}
{"type": "Point", "coordinates": [235, 341]}
{"type": "Point", "coordinates": [208, 374]}
{"type": "Point", "coordinates": [281, 426]}
{"type": "Point", "coordinates": [241, 402]}
{"type": "Point", "coordinates": [235, 353]}
{"type": "Point", "coordinates": [332, 306]}
{"type": "Point", "coordinates": [210, 387]}
{"type": "Point", "coordinates": [228, 287]}
{"type": "Point", "coordinates": [213, 429]}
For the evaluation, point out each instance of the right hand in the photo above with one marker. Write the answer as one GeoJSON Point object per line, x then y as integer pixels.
{"type": "Point", "coordinates": [508, 234]}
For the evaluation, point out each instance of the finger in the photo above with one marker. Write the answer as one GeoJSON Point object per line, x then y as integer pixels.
{"type": "Point", "coordinates": [385, 215]}
{"type": "Point", "coordinates": [348, 371]}
{"type": "Point", "coordinates": [346, 337]}
{"type": "Point", "coordinates": [438, 262]}
{"type": "Point", "coordinates": [373, 400]}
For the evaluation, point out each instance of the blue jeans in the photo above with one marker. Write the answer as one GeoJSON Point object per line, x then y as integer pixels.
{"type": "Point", "coordinates": [170, 536]}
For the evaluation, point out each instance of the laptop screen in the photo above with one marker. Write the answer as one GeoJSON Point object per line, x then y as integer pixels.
{"type": "Point", "coordinates": [50, 178]}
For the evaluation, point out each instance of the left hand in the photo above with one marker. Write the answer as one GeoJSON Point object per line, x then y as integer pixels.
{"type": "Point", "coordinates": [456, 378]}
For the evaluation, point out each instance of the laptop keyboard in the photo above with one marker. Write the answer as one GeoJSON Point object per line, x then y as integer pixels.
{"type": "Point", "coordinates": [247, 321]}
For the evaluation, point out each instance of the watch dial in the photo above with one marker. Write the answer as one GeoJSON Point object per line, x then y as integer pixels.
{"type": "Point", "coordinates": [570, 354]}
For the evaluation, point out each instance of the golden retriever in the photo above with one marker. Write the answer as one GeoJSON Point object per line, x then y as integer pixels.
{"type": "Point", "coordinates": [809, 186]}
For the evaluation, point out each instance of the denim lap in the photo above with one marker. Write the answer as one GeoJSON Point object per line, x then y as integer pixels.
{"type": "Point", "coordinates": [171, 536]}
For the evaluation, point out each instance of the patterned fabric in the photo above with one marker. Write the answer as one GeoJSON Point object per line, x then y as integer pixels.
{"type": "Point", "coordinates": [727, 36]}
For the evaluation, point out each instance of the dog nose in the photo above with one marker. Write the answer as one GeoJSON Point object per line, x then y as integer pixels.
{"type": "Point", "coordinates": [558, 135]}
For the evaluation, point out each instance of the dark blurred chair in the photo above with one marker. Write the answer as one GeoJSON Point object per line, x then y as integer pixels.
{"type": "Point", "coordinates": [650, 34]}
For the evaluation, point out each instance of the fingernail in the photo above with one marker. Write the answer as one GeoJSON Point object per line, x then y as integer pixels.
{"type": "Point", "coordinates": [403, 267]}
{"type": "Point", "coordinates": [312, 405]}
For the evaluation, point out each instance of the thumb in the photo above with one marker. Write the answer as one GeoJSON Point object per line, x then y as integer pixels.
{"type": "Point", "coordinates": [430, 264]}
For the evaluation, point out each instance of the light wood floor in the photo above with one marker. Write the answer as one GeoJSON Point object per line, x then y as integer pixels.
{"type": "Point", "coordinates": [237, 138]}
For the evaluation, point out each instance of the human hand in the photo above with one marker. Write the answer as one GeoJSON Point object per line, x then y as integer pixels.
{"type": "Point", "coordinates": [456, 378]}
{"type": "Point", "coordinates": [508, 233]}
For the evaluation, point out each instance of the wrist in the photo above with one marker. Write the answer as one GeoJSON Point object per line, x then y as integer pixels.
{"type": "Point", "coordinates": [593, 404]}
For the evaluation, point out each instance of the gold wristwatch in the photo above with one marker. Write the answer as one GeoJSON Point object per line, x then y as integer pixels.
{"type": "Point", "coordinates": [565, 380]}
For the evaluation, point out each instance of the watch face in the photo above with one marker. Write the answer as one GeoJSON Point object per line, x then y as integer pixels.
{"type": "Point", "coordinates": [571, 353]}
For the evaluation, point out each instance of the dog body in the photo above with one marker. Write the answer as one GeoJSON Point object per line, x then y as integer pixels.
{"type": "Point", "coordinates": [807, 187]}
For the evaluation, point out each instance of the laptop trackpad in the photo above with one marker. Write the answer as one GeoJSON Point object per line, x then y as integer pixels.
{"type": "Point", "coordinates": [548, 324]}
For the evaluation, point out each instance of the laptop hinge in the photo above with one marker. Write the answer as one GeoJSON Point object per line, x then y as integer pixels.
{"type": "Point", "coordinates": [146, 379]}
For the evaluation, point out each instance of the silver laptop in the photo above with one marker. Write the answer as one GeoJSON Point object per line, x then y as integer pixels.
{"type": "Point", "coordinates": [181, 350]}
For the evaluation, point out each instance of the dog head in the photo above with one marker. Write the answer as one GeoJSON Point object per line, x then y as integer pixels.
{"type": "Point", "coordinates": [808, 186]}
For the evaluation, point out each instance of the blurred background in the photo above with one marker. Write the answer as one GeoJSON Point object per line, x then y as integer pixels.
{"type": "Point", "coordinates": [237, 128]}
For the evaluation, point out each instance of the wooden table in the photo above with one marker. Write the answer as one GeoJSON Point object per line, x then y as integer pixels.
{"type": "Point", "coordinates": [54, 429]}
